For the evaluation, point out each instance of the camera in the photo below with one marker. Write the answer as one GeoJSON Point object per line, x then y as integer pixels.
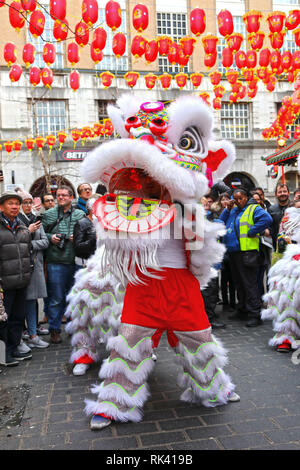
{"type": "Point", "coordinates": [62, 240]}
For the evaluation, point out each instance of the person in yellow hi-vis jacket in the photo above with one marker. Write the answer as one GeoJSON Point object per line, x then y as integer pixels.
{"type": "Point", "coordinates": [244, 223]}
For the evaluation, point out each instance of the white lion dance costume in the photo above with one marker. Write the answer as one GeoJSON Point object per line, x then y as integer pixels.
{"type": "Point", "coordinates": [283, 298]}
{"type": "Point", "coordinates": [160, 247]}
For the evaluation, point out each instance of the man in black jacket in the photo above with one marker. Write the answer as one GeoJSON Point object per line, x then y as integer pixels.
{"type": "Point", "coordinates": [277, 210]}
{"type": "Point", "coordinates": [84, 236]}
{"type": "Point", "coordinates": [15, 268]}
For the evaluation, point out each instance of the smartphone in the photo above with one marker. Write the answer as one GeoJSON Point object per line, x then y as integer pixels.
{"type": "Point", "coordinates": [38, 218]}
{"type": "Point", "coordinates": [37, 201]}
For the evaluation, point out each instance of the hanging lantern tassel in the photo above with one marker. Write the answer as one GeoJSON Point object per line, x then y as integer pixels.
{"type": "Point", "coordinates": [62, 136]}
{"type": "Point", "coordinates": [76, 134]}
{"type": "Point", "coordinates": [50, 141]}
{"type": "Point", "coordinates": [30, 143]}
{"type": "Point", "coordinates": [40, 142]}
{"type": "Point", "coordinates": [17, 146]}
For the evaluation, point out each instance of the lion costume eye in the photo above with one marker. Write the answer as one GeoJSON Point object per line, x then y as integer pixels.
{"type": "Point", "coordinates": [191, 141]}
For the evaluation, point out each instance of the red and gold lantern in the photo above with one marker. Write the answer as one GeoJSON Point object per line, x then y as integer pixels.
{"type": "Point", "coordinates": [296, 134]}
{"type": "Point", "coordinates": [164, 43]}
{"type": "Point", "coordinates": [234, 41]}
{"type": "Point", "coordinates": [240, 59]}
{"type": "Point", "coordinates": [293, 20]}
{"type": "Point", "coordinates": [215, 77]}
{"type": "Point", "coordinates": [173, 53]}
{"type": "Point", "coordinates": [276, 40]}
{"type": "Point", "coordinates": [15, 73]}
{"type": "Point", "coordinates": [252, 92]}
{"type": "Point", "coordinates": [131, 78]}
{"type": "Point", "coordinates": [253, 83]}
{"type": "Point", "coordinates": [296, 60]}
{"type": "Point", "coordinates": [76, 135]}
{"type": "Point", "coordinates": [242, 92]}
{"type": "Point", "coordinates": [16, 19]}
{"type": "Point", "coordinates": [275, 61]}
{"type": "Point", "coordinates": [210, 43]}
{"type": "Point", "coordinates": [251, 59]}
{"type": "Point", "coordinates": [286, 60]}
{"type": "Point", "coordinates": [151, 51]}
{"type": "Point", "coordinates": [47, 77]}
{"type": "Point", "coordinates": [276, 21]}
{"type": "Point", "coordinates": [219, 91]}
{"type": "Point", "coordinates": [96, 54]}
{"type": "Point", "coordinates": [227, 57]}
{"type": "Point", "coordinates": [210, 59]}
{"type": "Point", "coordinates": [217, 103]}
{"type": "Point", "coordinates": [138, 46]}
{"type": "Point", "coordinates": [196, 79]}
{"type": "Point", "coordinates": [17, 145]}
{"type": "Point", "coordinates": [225, 23]}
{"type": "Point", "coordinates": [74, 80]}
{"type": "Point", "coordinates": [82, 33]}
{"type": "Point", "coordinates": [232, 76]}
{"type": "Point", "coordinates": [252, 21]}
{"type": "Point", "coordinates": [140, 17]}
{"type": "Point", "coordinates": [264, 57]}
{"type": "Point", "coordinates": [108, 127]}
{"type": "Point", "coordinates": [35, 76]}
{"type": "Point", "coordinates": [181, 79]}
{"type": "Point", "coordinates": [8, 146]}
{"type": "Point", "coordinates": [50, 139]}
{"type": "Point", "coordinates": [235, 87]}
{"type": "Point", "coordinates": [197, 21]}
{"type": "Point", "coordinates": [187, 44]}
{"type": "Point", "coordinates": [233, 97]}
{"type": "Point", "coordinates": [28, 5]}
{"type": "Point", "coordinates": [256, 40]}
{"type": "Point", "coordinates": [37, 23]}
{"type": "Point", "coordinates": [10, 53]}
{"type": "Point", "coordinates": [106, 79]}
{"type": "Point", "coordinates": [40, 142]}
{"type": "Point", "coordinates": [182, 58]}
{"type": "Point", "coordinates": [30, 143]}
{"type": "Point", "coordinates": [263, 73]}
{"type": "Point", "coordinates": [113, 15]}
{"type": "Point", "coordinates": [165, 80]}
{"type": "Point", "coordinates": [150, 80]}
{"type": "Point", "coordinates": [119, 44]}
{"type": "Point", "coordinates": [297, 36]}
{"type": "Point", "coordinates": [58, 9]}
{"type": "Point", "coordinates": [60, 30]}
{"type": "Point", "coordinates": [271, 84]}
{"type": "Point", "coordinates": [29, 53]}
{"type": "Point", "coordinates": [73, 53]}
{"type": "Point", "coordinates": [62, 137]}
{"type": "Point", "coordinates": [98, 129]}
{"type": "Point", "coordinates": [248, 74]}
{"type": "Point", "coordinates": [204, 97]}
{"type": "Point", "coordinates": [49, 54]}
{"type": "Point", "coordinates": [99, 38]}
{"type": "Point", "coordinates": [89, 11]}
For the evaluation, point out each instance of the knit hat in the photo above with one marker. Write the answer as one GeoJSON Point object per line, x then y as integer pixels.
{"type": "Point", "coordinates": [23, 194]}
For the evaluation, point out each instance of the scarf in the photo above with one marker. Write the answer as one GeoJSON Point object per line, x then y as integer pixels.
{"type": "Point", "coordinates": [82, 205]}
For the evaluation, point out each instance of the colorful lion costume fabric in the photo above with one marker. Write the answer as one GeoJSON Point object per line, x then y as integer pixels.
{"type": "Point", "coordinates": [283, 297]}
{"type": "Point", "coordinates": [160, 247]}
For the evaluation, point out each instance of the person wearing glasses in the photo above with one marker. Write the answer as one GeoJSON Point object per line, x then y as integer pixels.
{"type": "Point", "coordinates": [84, 191]}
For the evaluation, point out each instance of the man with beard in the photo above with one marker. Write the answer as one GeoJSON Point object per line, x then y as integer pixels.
{"type": "Point", "coordinates": [277, 210]}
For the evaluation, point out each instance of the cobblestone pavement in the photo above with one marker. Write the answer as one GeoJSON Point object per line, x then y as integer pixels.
{"type": "Point", "coordinates": [41, 405]}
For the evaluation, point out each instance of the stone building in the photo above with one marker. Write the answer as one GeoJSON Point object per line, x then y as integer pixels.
{"type": "Point", "coordinates": [27, 111]}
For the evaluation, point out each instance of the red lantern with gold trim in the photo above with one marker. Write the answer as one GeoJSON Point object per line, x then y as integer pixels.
{"type": "Point", "coordinates": [219, 91]}
{"type": "Point", "coordinates": [215, 77]}
{"type": "Point", "coordinates": [113, 15]}
{"type": "Point", "coordinates": [76, 135]}
{"type": "Point", "coordinates": [29, 53]}
{"type": "Point", "coordinates": [264, 57]}
{"type": "Point", "coordinates": [96, 54]}
{"type": "Point", "coordinates": [10, 53]}
{"type": "Point", "coordinates": [165, 80]}
{"type": "Point", "coordinates": [74, 80]}
{"type": "Point", "coordinates": [50, 139]}
{"type": "Point", "coordinates": [150, 80]}
{"type": "Point", "coordinates": [263, 73]}
{"type": "Point", "coordinates": [131, 78]}
{"type": "Point", "coordinates": [73, 53]}
{"type": "Point", "coordinates": [140, 17]}
{"type": "Point", "coordinates": [36, 23]}
{"type": "Point", "coordinates": [181, 79]}
{"type": "Point", "coordinates": [252, 21]}
{"type": "Point", "coordinates": [89, 10]}
{"type": "Point", "coordinates": [225, 23]}
{"type": "Point", "coordinates": [248, 74]}
{"type": "Point", "coordinates": [119, 44]}
{"type": "Point", "coordinates": [138, 46]}
{"type": "Point", "coordinates": [275, 61]}
{"type": "Point", "coordinates": [15, 73]}
{"type": "Point", "coordinates": [291, 76]}
{"type": "Point", "coordinates": [233, 97]}
{"type": "Point", "coordinates": [183, 60]}
{"type": "Point", "coordinates": [296, 134]}
{"type": "Point", "coordinates": [232, 76]}
{"type": "Point", "coordinates": [82, 33]}
{"type": "Point", "coordinates": [276, 40]}
{"type": "Point", "coordinates": [106, 79]}
{"type": "Point", "coordinates": [217, 103]}
{"type": "Point", "coordinates": [252, 92]}
{"type": "Point", "coordinates": [293, 20]}
{"type": "Point", "coordinates": [205, 97]}
{"type": "Point", "coordinates": [8, 146]}
{"type": "Point", "coordinates": [242, 92]}
{"type": "Point", "coordinates": [49, 54]}
{"type": "Point", "coordinates": [234, 41]}
{"type": "Point", "coordinates": [58, 9]}
{"type": "Point", "coordinates": [196, 79]}
{"type": "Point", "coordinates": [296, 60]}
{"type": "Point", "coordinates": [210, 43]}
{"type": "Point", "coordinates": [227, 57]}
{"type": "Point", "coordinates": [40, 142]}
{"type": "Point", "coordinates": [35, 76]}
{"type": "Point", "coordinates": [276, 21]}
{"type": "Point", "coordinates": [240, 59]}
{"type": "Point", "coordinates": [164, 43]}
{"type": "Point", "coordinates": [210, 60]}
{"type": "Point", "coordinates": [297, 36]}
{"type": "Point", "coordinates": [197, 21]}
{"type": "Point", "coordinates": [253, 83]}
{"type": "Point", "coordinates": [173, 53]}
{"type": "Point", "coordinates": [98, 129]}
{"type": "Point", "coordinates": [30, 143]}
{"type": "Point", "coordinates": [100, 37]}
{"type": "Point", "coordinates": [256, 40]}
{"type": "Point", "coordinates": [108, 127]}
{"type": "Point", "coordinates": [28, 5]}
{"type": "Point", "coordinates": [286, 60]}
{"type": "Point", "coordinates": [60, 30]}
{"type": "Point", "coordinates": [151, 51]}
{"type": "Point", "coordinates": [235, 87]}
{"type": "Point", "coordinates": [251, 59]}
{"type": "Point", "coordinates": [62, 137]}
{"type": "Point", "coordinates": [16, 19]}
{"type": "Point", "coordinates": [47, 77]}
{"type": "Point", "coordinates": [271, 84]}
{"type": "Point", "coordinates": [187, 44]}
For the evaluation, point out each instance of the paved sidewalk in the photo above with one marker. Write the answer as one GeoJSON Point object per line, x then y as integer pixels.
{"type": "Point", "coordinates": [41, 403]}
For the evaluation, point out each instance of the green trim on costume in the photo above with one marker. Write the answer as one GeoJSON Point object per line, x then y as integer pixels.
{"type": "Point", "coordinates": [127, 365]}
{"type": "Point", "coordinates": [198, 368]}
{"type": "Point", "coordinates": [199, 386]}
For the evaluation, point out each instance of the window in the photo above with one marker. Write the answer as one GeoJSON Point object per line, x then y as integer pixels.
{"type": "Point", "coordinates": [235, 121]}
{"type": "Point", "coordinates": [47, 36]}
{"type": "Point", "coordinates": [102, 109]}
{"type": "Point", "coordinates": [285, 2]}
{"type": "Point", "coordinates": [289, 43]}
{"type": "Point", "coordinates": [49, 117]}
{"type": "Point", "coordinates": [239, 27]}
{"type": "Point", "coordinates": [109, 61]}
{"type": "Point", "coordinates": [175, 26]}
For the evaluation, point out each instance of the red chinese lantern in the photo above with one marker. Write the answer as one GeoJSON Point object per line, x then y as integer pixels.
{"type": "Point", "coordinates": [89, 11]}
{"type": "Point", "coordinates": [113, 15]}
{"type": "Point", "coordinates": [151, 51]}
{"type": "Point", "coordinates": [173, 53]}
{"type": "Point", "coordinates": [96, 54]}
{"type": "Point", "coordinates": [47, 77]}
{"type": "Point", "coordinates": [164, 43]}
{"type": "Point", "coordinates": [8, 147]}
{"type": "Point", "coordinates": [233, 97]}
{"type": "Point", "coordinates": [35, 76]}
{"type": "Point", "coordinates": [50, 139]}
{"type": "Point", "coordinates": [82, 33]}
{"type": "Point", "coordinates": [210, 43]}
{"type": "Point", "coordinates": [10, 53]}
{"type": "Point", "coordinates": [140, 17]}
{"type": "Point", "coordinates": [251, 59]}
{"type": "Point", "coordinates": [296, 134]}
{"type": "Point", "coordinates": [217, 103]}
{"type": "Point", "coordinates": [196, 79]}
{"type": "Point", "coordinates": [181, 79]}
{"type": "Point", "coordinates": [263, 73]}
{"type": "Point", "coordinates": [248, 74]}
{"type": "Point", "coordinates": [242, 92]}
{"type": "Point", "coordinates": [49, 54]}
{"type": "Point", "coordinates": [252, 92]}
{"type": "Point", "coordinates": [232, 76]}
{"type": "Point", "coordinates": [131, 78]}
{"type": "Point", "coordinates": [296, 60]}
{"type": "Point", "coordinates": [76, 135]}
{"type": "Point", "coordinates": [210, 59]}
{"type": "Point", "coordinates": [99, 38]}
{"type": "Point", "coordinates": [150, 80]}
{"type": "Point", "coordinates": [240, 59]}
{"type": "Point", "coordinates": [2, 3]}
{"type": "Point", "coordinates": [62, 137]}
{"type": "Point", "coordinates": [293, 20]}
{"type": "Point", "coordinates": [291, 76]}
{"type": "Point", "coordinates": [119, 44]}
{"type": "Point", "coordinates": [205, 97]}
{"type": "Point", "coordinates": [215, 77]}
{"type": "Point", "coordinates": [138, 46]}
{"type": "Point", "coordinates": [276, 21]}
{"type": "Point", "coordinates": [286, 60]}
{"type": "Point", "coordinates": [182, 58]}
{"type": "Point", "coordinates": [219, 91]}
{"type": "Point", "coordinates": [264, 57]}
{"type": "Point", "coordinates": [74, 80]}
{"type": "Point", "coordinates": [225, 23]}
{"type": "Point", "coordinates": [276, 40]}
{"type": "Point", "coordinates": [271, 84]}
{"type": "Point", "coordinates": [227, 57]}
{"type": "Point", "coordinates": [234, 41]}
{"type": "Point", "coordinates": [275, 60]}
{"type": "Point", "coordinates": [73, 53]}
{"type": "Point", "coordinates": [106, 79]}
{"type": "Point", "coordinates": [60, 30]}
{"type": "Point", "coordinates": [297, 36]}
{"type": "Point", "coordinates": [253, 83]}
{"type": "Point", "coordinates": [28, 5]}
{"type": "Point", "coordinates": [40, 142]}
{"type": "Point", "coordinates": [197, 21]}
{"type": "Point", "coordinates": [29, 53]}
{"type": "Point", "coordinates": [256, 40]}
{"type": "Point", "coordinates": [37, 23]}
{"type": "Point", "coordinates": [165, 80]}
{"type": "Point", "coordinates": [15, 73]}
{"type": "Point", "coordinates": [235, 87]}
{"type": "Point", "coordinates": [58, 9]}
{"type": "Point", "coordinates": [187, 44]}
{"type": "Point", "coordinates": [98, 129]}
{"type": "Point", "coordinates": [252, 21]}
{"type": "Point", "coordinates": [108, 127]}
{"type": "Point", "coordinates": [16, 19]}
{"type": "Point", "coordinates": [30, 143]}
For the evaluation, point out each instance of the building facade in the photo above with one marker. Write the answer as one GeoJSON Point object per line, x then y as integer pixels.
{"type": "Point", "coordinates": [30, 111]}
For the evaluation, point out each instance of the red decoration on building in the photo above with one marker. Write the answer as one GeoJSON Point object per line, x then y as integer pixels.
{"type": "Point", "coordinates": [151, 51]}
{"type": "Point", "coordinates": [36, 23]}
{"type": "Point", "coordinates": [164, 43]}
{"type": "Point", "coordinates": [113, 15]}
{"type": "Point", "coordinates": [76, 135]}
{"type": "Point", "coordinates": [106, 79]}
{"type": "Point", "coordinates": [225, 23]}
{"type": "Point", "coordinates": [119, 44]}
{"type": "Point", "coordinates": [74, 80]}
{"type": "Point", "coordinates": [58, 9]}
{"type": "Point", "coordinates": [256, 40]}
{"type": "Point", "coordinates": [187, 44]}
{"type": "Point", "coordinates": [165, 80]}
{"type": "Point", "coordinates": [82, 33]}
{"type": "Point", "coordinates": [219, 91]}
{"type": "Point", "coordinates": [232, 76]}
{"type": "Point", "coordinates": [173, 53]}
{"type": "Point", "coordinates": [60, 30]}
{"type": "Point", "coordinates": [73, 53]}
{"type": "Point", "coordinates": [276, 40]}
{"type": "Point", "coordinates": [297, 36]}
{"type": "Point", "coordinates": [96, 54]}
{"type": "Point", "coordinates": [62, 137]}
{"type": "Point", "coordinates": [47, 77]}
{"type": "Point", "coordinates": [35, 76]}
{"type": "Point", "coordinates": [286, 60]}
{"type": "Point", "coordinates": [181, 79]}
{"type": "Point", "coordinates": [240, 59]}
{"type": "Point", "coordinates": [138, 46]}
{"type": "Point", "coordinates": [252, 21]}
{"type": "Point", "coordinates": [29, 53]}
{"type": "Point", "coordinates": [131, 78]}
{"type": "Point", "coordinates": [196, 79]}
{"type": "Point", "coordinates": [296, 60]}
{"type": "Point", "coordinates": [10, 53]}
{"type": "Point", "coordinates": [150, 80]}
{"type": "Point", "coordinates": [210, 59]}
{"type": "Point", "coordinates": [234, 41]}
{"type": "Point", "coordinates": [16, 19]}
{"type": "Point", "coordinates": [215, 77]}
{"type": "Point", "coordinates": [182, 58]}
{"type": "Point", "coordinates": [275, 61]}
{"type": "Point", "coordinates": [140, 17]}
{"type": "Point", "coordinates": [276, 21]}
{"type": "Point", "coordinates": [197, 21]}
{"type": "Point", "coordinates": [40, 142]}
{"type": "Point", "coordinates": [293, 20]}
{"type": "Point", "coordinates": [210, 43]}
{"type": "Point", "coordinates": [50, 139]}
{"type": "Point", "coordinates": [15, 73]}
{"type": "Point", "coordinates": [264, 57]}
{"type": "Point", "coordinates": [217, 103]}
{"type": "Point", "coordinates": [28, 5]}
{"type": "Point", "coordinates": [99, 38]}
{"type": "Point", "coordinates": [227, 57]}
{"type": "Point", "coordinates": [252, 92]}
{"type": "Point", "coordinates": [251, 59]}
{"type": "Point", "coordinates": [49, 54]}
{"type": "Point", "coordinates": [8, 147]}
{"type": "Point", "coordinates": [30, 143]}
{"type": "Point", "coordinates": [89, 9]}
